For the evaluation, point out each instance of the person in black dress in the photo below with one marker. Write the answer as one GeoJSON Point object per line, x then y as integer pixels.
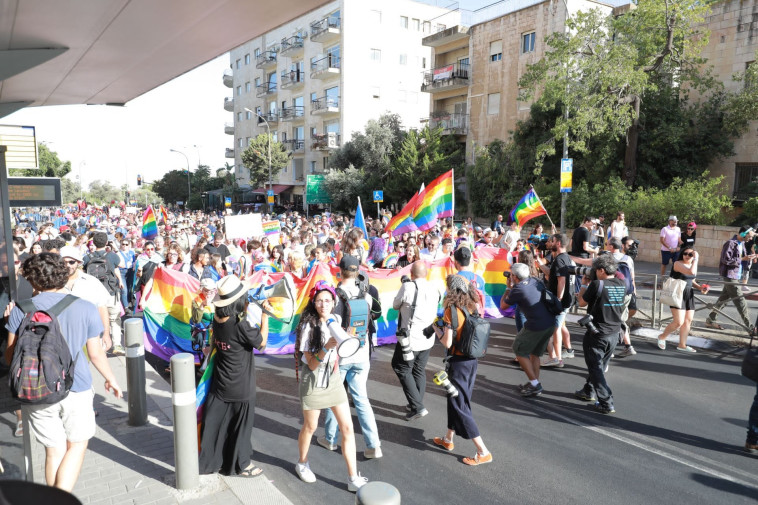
{"type": "Point", "coordinates": [226, 445]}
{"type": "Point", "coordinates": [684, 269]}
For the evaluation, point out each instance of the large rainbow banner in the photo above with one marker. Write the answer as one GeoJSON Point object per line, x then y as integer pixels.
{"type": "Point", "coordinates": [168, 304]}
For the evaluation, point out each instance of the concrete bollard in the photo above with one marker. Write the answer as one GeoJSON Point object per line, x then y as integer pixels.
{"type": "Point", "coordinates": [134, 339]}
{"type": "Point", "coordinates": [185, 420]}
{"type": "Point", "coordinates": [377, 493]}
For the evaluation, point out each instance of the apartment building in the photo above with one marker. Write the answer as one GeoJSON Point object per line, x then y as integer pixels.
{"type": "Point", "coordinates": [731, 48]}
{"type": "Point", "coordinates": [473, 81]}
{"type": "Point", "coordinates": [317, 79]}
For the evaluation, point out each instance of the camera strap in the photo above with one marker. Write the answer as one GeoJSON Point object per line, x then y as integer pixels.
{"type": "Point", "coordinates": [413, 306]}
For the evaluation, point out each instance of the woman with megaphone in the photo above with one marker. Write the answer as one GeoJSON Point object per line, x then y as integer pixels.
{"type": "Point", "coordinates": [320, 338]}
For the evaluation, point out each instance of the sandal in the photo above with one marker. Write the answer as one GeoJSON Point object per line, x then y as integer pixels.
{"type": "Point", "coordinates": [251, 471]}
{"type": "Point", "coordinates": [714, 326]}
{"type": "Point", "coordinates": [662, 344]}
{"type": "Point", "coordinates": [19, 429]}
{"type": "Point", "coordinates": [478, 459]}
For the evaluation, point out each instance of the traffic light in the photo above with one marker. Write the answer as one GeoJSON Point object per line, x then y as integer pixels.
{"type": "Point", "coordinates": [139, 180]}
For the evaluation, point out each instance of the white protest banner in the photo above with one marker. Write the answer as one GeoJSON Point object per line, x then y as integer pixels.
{"type": "Point", "coordinates": [244, 226]}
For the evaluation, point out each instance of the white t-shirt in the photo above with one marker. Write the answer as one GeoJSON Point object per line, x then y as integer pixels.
{"type": "Point", "coordinates": [89, 288]}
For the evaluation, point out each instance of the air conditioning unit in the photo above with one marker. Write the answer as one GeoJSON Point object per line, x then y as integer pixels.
{"type": "Point", "coordinates": [331, 140]}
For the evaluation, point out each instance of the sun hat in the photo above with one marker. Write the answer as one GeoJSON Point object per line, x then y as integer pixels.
{"type": "Point", "coordinates": [230, 288]}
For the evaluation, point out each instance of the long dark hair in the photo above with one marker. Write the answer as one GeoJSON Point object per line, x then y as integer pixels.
{"type": "Point", "coordinates": [311, 318]}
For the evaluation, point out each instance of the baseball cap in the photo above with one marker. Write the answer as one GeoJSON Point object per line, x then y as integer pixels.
{"type": "Point", "coordinates": [71, 252]}
{"type": "Point", "coordinates": [349, 263]}
{"type": "Point", "coordinates": [673, 218]}
{"type": "Point", "coordinates": [462, 255]}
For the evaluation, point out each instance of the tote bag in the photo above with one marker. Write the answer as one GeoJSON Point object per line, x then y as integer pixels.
{"type": "Point", "coordinates": [673, 292]}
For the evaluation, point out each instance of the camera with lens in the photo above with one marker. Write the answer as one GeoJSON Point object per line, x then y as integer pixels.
{"type": "Point", "coordinates": [441, 379]}
{"type": "Point", "coordinates": [587, 323]}
{"type": "Point", "coordinates": [405, 279]}
{"type": "Point", "coordinates": [633, 249]}
{"type": "Point", "coordinates": [507, 275]}
{"type": "Point", "coordinates": [405, 344]}
{"type": "Point", "coordinates": [429, 330]}
{"type": "Point", "coordinates": [578, 270]}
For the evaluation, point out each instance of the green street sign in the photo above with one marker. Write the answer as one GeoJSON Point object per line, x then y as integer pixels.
{"type": "Point", "coordinates": [315, 189]}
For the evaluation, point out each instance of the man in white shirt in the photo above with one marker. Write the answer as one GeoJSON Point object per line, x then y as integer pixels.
{"type": "Point", "coordinates": [510, 237]}
{"type": "Point", "coordinates": [433, 252]}
{"type": "Point", "coordinates": [671, 239]}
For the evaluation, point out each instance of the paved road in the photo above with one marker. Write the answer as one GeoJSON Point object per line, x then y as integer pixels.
{"type": "Point", "coordinates": [675, 438]}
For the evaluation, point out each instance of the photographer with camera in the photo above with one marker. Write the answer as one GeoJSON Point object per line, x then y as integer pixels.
{"type": "Point", "coordinates": [559, 282]}
{"type": "Point", "coordinates": [605, 298]}
{"type": "Point", "coordinates": [531, 340]}
{"type": "Point", "coordinates": [416, 303]}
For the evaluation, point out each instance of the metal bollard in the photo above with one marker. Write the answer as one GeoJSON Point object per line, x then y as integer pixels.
{"type": "Point", "coordinates": [185, 420]}
{"type": "Point", "coordinates": [135, 371]}
{"type": "Point", "coordinates": [377, 493]}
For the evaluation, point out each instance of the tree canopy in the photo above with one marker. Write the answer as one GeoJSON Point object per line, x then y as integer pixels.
{"type": "Point", "coordinates": [50, 165]}
{"type": "Point", "coordinates": [255, 158]}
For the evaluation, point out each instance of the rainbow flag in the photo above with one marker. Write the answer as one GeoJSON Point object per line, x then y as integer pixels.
{"type": "Point", "coordinates": [403, 221]}
{"type": "Point", "coordinates": [527, 208]}
{"type": "Point", "coordinates": [164, 214]}
{"type": "Point", "coordinates": [434, 202]}
{"type": "Point", "coordinates": [271, 227]}
{"type": "Point", "coordinates": [391, 260]}
{"type": "Point", "coordinates": [149, 224]}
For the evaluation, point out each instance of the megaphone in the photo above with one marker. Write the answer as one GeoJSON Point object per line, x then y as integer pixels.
{"type": "Point", "coordinates": [347, 344]}
{"type": "Point", "coordinates": [283, 288]}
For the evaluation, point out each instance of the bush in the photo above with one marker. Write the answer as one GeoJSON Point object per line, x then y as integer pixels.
{"type": "Point", "coordinates": [749, 211]}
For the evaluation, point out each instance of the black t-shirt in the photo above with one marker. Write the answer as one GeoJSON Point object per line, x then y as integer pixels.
{"type": "Point", "coordinates": [559, 268]}
{"type": "Point", "coordinates": [221, 249]}
{"type": "Point", "coordinates": [234, 379]}
{"type": "Point", "coordinates": [689, 240]}
{"type": "Point", "coordinates": [111, 258]}
{"type": "Point", "coordinates": [606, 307]}
{"type": "Point", "coordinates": [580, 236]}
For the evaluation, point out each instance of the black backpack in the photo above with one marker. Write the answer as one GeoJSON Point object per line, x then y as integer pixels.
{"type": "Point", "coordinates": [551, 302]}
{"type": "Point", "coordinates": [98, 267]}
{"type": "Point", "coordinates": [475, 334]}
{"type": "Point", "coordinates": [42, 369]}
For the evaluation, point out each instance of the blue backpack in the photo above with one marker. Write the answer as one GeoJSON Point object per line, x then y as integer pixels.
{"type": "Point", "coordinates": [623, 269]}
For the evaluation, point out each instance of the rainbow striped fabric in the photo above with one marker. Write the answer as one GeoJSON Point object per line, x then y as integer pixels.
{"type": "Point", "coordinates": [402, 222]}
{"type": "Point", "coordinates": [436, 201]}
{"type": "Point", "coordinates": [164, 214]}
{"type": "Point", "coordinates": [527, 208]}
{"type": "Point", "coordinates": [271, 227]}
{"type": "Point", "coordinates": [149, 224]}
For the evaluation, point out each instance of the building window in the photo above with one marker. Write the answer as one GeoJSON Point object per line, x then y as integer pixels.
{"type": "Point", "coordinates": [403, 59]}
{"type": "Point", "coordinates": [248, 87]}
{"type": "Point", "coordinates": [239, 116]}
{"type": "Point", "coordinates": [416, 24]}
{"type": "Point", "coordinates": [257, 82]}
{"type": "Point", "coordinates": [404, 22]}
{"type": "Point", "coordinates": [257, 52]}
{"type": "Point", "coordinates": [440, 27]}
{"type": "Point", "coordinates": [241, 142]}
{"type": "Point", "coordinates": [426, 26]}
{"type": "Point", "coordinates": [314, 131]}
{"type": "Point", "coordinates": [247, 141]}
{"type": "Point", "coordinates": [274, 136]}
{"type": "Point", "coordinates": [375, 55]}
{"type": "Point", "coordinates": [376, 17]}
{"type": "Point", "coordinates": [247, 59]}
{"type": "Point", "coordinates": [238, 63]}
{"type": "Point", "coordinates": [248, 114]}
{"type": "Point", "coordinates": [239, 90]}
{"type": "Point", "coordinates": [496, 50]}
{"type": "Point", "coordinates": [527, 42]}
{"type": "Point", "coordinates": [745, 178]}
{"type": "Point", "coordinates": [313, 168]}
{"type": "Point", "coordinates": [314, 97]}
{"type": "Point", "coordinates": [493, 103]}
{"type": "Point", "coordinates": [423, 62]}
{"type": "Point", "coordinates": [326, 162]}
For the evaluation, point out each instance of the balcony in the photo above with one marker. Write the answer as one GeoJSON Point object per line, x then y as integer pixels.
{"type": "Point", "coordinates": [326, 30]}
{"type": "Point", "coordinates": [451, 124]}
{"type": "Point", "coordinates": [270, 117]}
{"type": "Point", "coordinates": [291, 79]}
{"type": "Point", "coordinates": [229, 128]}
{"type": "Point", "coordinates": [295, 145]}
{"type": "Point", "coordinates": [447, 77]}
{"type": "Point", "coordinates": [326, 67]}
{"type": "Point", "coordinates": [229, 153]}
{"type": "Point", "coordinates": [325, 141]}
{"type": "Point", "coordinates": [294, 113]}
{"type": "Point", "coordinates": [292, 46]}
{"type": "Point", "coordinates": [447, 36]}
{"type": "Point", "coordinates": [265, 59]}
{"type": "Point", "coordinates": [265, 89]}
{"type": "Point", "coordinates": [229, 104]}
{"type": "Point", "coordinates": [228, 78]}
{"type": "Point", "coordinates": [325, 105]}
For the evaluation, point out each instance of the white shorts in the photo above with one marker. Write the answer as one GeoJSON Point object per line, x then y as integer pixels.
{"type": "Point", "coordinates": [70, 420]}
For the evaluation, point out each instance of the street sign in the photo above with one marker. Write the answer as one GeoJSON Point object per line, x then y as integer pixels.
{"type": "Point", "coordinates": [567, 167]}
{"type": "Point", "coordinates": [270, 199]}
{"type": "Point", "coordinates": [34, 191]}
{"type": "Point", "coordinates": [270, 192]}
{"type": "Point", "coordinates": [378, 195]}
{"type": "Point", "coordinates": [21, 142]}
{"type": "Point", "coordinates": [315, 190]}
{"type": "Point", "coordinates": [227, 201]}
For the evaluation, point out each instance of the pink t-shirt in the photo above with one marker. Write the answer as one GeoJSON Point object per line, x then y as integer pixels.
{"type": "Point", "coordinates": [671, 237]}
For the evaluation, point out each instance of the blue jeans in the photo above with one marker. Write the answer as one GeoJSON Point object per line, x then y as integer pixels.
{"type": "Point", "coordinates": [752, 422]}
{"type": "Point", "coordinates": [356, 375]}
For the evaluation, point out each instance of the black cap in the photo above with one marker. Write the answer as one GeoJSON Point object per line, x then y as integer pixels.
{"type": "Point", "coordinates": [349, 263]}
{"type": "Point", "coordinates": [463, 255]}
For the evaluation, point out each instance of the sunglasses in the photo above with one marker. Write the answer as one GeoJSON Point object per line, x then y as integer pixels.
{"type": "Point", "coordinates": [149, 249]}
{"type": "Point", "coordinates": [690, 228]}
{"type": "Point", "coordinates": [71, 262]}
{"type": "Point", "coordinates": [688, 254]}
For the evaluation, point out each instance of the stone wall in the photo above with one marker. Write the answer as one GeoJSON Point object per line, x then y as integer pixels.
{"type": "Point", "coordinates": [709, 241]}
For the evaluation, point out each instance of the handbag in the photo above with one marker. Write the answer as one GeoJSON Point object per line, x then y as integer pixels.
{"type": "Point", "coordinates": [672, 293]}
{"type": "Point", "coordinates": [750, 362]}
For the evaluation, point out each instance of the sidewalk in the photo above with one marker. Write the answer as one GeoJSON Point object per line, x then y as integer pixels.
{"type": "Point", "coordinates": [135, 465]}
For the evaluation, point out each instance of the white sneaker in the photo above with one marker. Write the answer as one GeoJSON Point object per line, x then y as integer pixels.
{"type": "Point", "coordinates": [305, 473]}
{"type": "Point", "coordinates": [355, 483]}
{"type": "Point", "coordinates": [374, 453]}
{"type": "Point", "coordinates": [323, 442]}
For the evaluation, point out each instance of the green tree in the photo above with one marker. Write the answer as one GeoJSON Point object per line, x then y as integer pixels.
{"type": "Point", "coordinates": [601, 68]}
{"type": "Point", "coordinates": [345, 186]}
{"type": "Point", "coordinates": [69, 190]}
{"type": "Point", "coordinates": [256, 159]}
{"type": "Point", "coordinates": [102, 192]}
{"type": "Point", "coordinates": [172, 187]}
{"type": "Point", "coordinates": [374, 149]}
{"type": "Point", "coordinates": [50, 165]}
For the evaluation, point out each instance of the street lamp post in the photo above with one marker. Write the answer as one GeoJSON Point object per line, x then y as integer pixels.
{"type": "Point", "coordinates": [186, 204]}
{"type": "Point", "coordinates": [270, 181]}
{"type": "Point", "coordinates": [81, 182]}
